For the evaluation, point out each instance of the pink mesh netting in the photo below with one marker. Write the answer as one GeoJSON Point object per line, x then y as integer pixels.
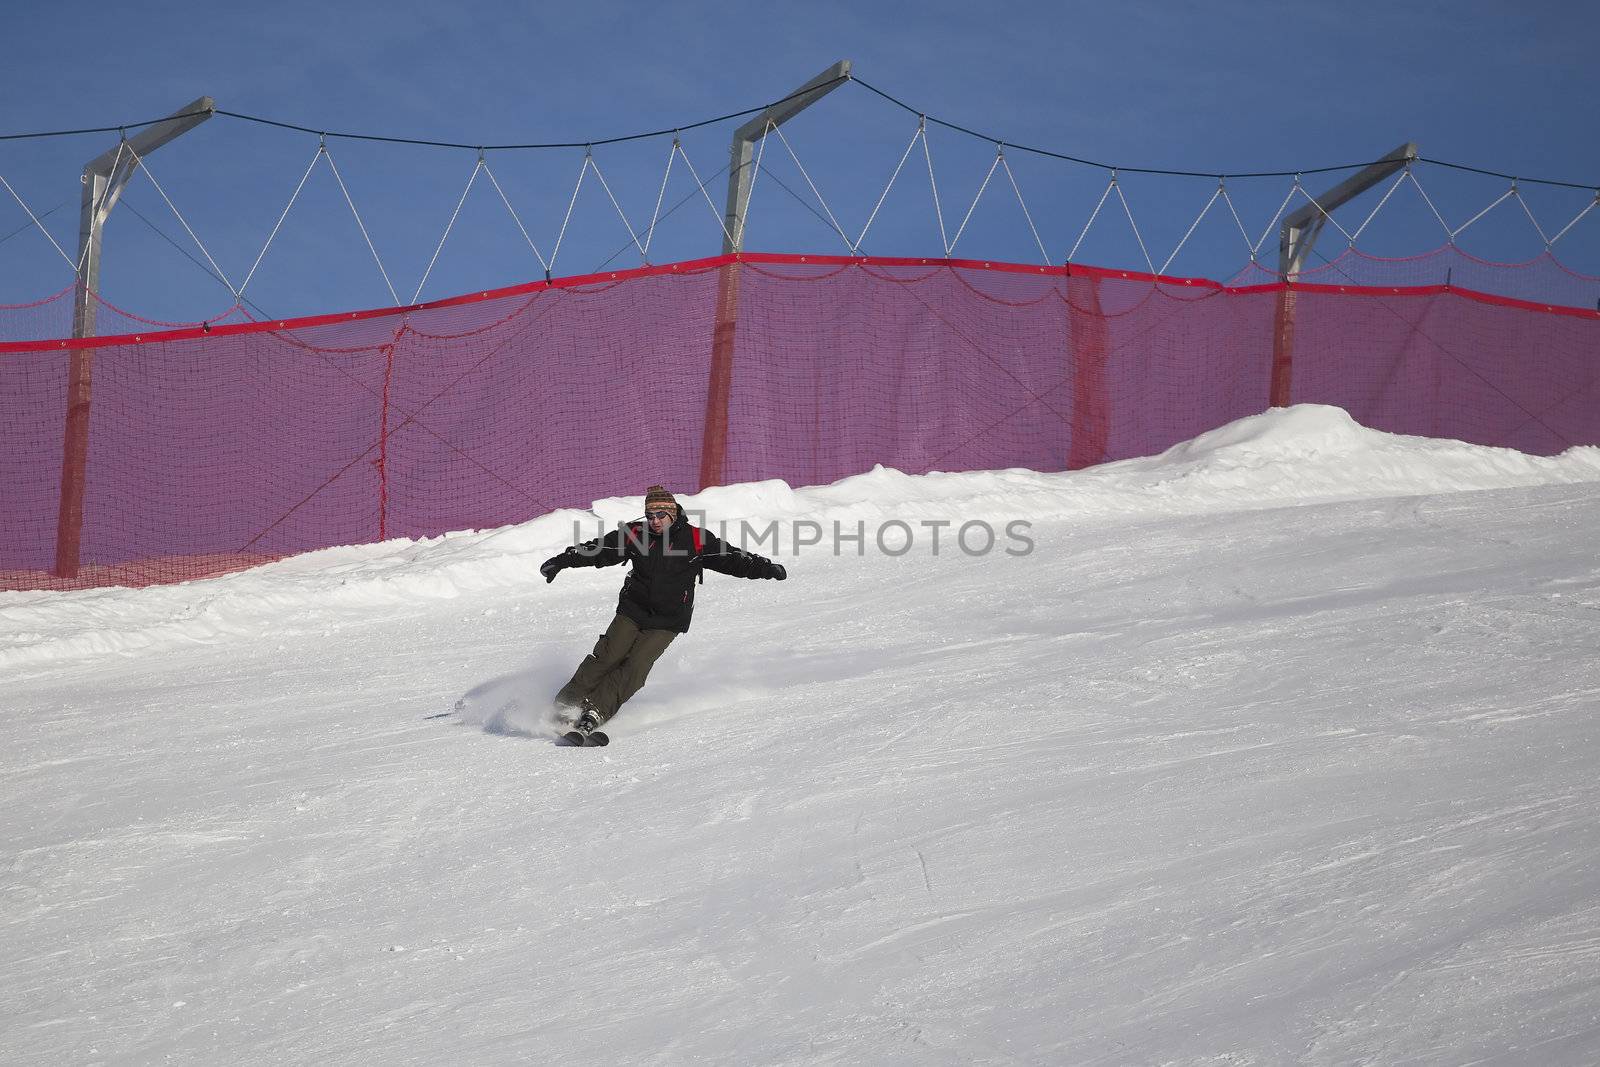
{"type": "Point", "coordinates": [205, 450]}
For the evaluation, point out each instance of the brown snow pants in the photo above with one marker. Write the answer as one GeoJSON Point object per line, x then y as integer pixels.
{"type": "Point", "coordinates": [617, 668]}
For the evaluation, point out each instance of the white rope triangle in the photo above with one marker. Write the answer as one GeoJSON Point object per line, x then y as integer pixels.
{"type": "Point", "coordinates": [362, 226]}
{"type": "Point", "coordinates": [562, 236]}
{"type": "Point", "coordinates": [1526, 210]}
{"type": "Point", "coordinates": [415, 296]}
{"type": "Point", "coordinates": [938, 210]}
{"type": "Point", "coordinates": [279, 224]}
{"type": "Point", "coordinates": [661, 195]}
{"type": "Point", "coordinates": [645, 259]}
{"type": "Point", "coordinates": [1377, 208]}
{"type": "Point", "coordinates": [24, 205]}
{"type": "Point", "coordinates": [884, 195]}
{"type": "Point", "coordinates": [750, 195]}
{"type": "Point", "coordinates": [1576, 218]}
{"type": "Point", "coordinates": [1095, 214]}
{"type": "Point", "coordinates": [1192, 227]}
{"type": "Point", "coordinates": [722, 221]}
{"type": "Point", "coordinates": [1426, 199]}
{"type": "Point", "coordinates": [1045, 256]}
{"type": "Point", "coordinates": [951, 251]}
{"type": "Point", "coordinates": [815, 191]}
{"type": "Point", "coordinates": [1272, 225]}
{"type": "Point", "coordinates": [140, 164]}
{"type": "Point", "coordinates": [514, 216]}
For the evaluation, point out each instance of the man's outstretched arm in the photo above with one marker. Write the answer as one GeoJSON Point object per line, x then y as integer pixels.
{"type": "Point", "coordinates": [607, 551]}
{"type": "Point", "coordinates": [719, 556]}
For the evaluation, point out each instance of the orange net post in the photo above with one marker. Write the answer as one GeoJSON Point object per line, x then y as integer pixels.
{"type": "Point", "coordinates": [719, 384]}
{"type": "Point", "coordinates": [1282, 350]}
{"type": "Point", "coordinates": [1090, 355]}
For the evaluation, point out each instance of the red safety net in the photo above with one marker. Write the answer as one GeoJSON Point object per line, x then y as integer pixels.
{"type": "Point", "coordinates": [203, 450]}
{"type": "Point", "coordinates": [1543, 280]}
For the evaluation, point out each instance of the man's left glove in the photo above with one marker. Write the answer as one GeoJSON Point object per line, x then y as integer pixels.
{"type": "Point", "coordinates": [551, 567]}
{"type": "Point", "coordinates": [778, 572]}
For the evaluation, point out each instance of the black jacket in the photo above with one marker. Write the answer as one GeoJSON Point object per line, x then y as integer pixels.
{"type": "Point", "coordinates": [658, 593]}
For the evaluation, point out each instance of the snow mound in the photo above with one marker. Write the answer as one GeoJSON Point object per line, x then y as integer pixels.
{"type": "Point", "coordinates": [1313, 453]}
{"type": "Point", "coordinates": [1281, 458]}
{"type": "Point", "coordinates": [1303, 432]}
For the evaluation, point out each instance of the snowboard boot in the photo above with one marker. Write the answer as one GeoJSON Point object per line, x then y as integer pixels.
{"type": "Point", "coordinates": [588, 721]}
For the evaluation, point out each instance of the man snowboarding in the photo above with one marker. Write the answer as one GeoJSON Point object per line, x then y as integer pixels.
{"type": "Point", "coordinates": [655, 606]}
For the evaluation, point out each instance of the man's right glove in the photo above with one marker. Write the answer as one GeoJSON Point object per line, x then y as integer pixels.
{"type": "Point", "coordinates": [551, 567]}
{"type": "Point", "coordinates": [778, 572]}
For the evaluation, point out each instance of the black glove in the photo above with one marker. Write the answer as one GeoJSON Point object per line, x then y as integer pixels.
{"type": "Point", "coordinates": [778, 572]}
{"type": "Point", "coordinates": [551, 567]}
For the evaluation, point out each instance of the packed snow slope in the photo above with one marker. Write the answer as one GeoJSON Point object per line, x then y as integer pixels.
{"type": "Point", "coordinates": [1280, 746]}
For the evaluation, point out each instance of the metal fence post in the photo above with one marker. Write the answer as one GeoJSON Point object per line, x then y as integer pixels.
{"type": "Point", "coordinates": [104, 178]}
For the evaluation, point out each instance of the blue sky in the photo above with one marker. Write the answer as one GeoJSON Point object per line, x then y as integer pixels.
{"type": "Point", "coordinates": [1221, 87]}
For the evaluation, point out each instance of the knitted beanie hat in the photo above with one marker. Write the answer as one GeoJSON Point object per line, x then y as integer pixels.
{"type": "Point", "coordinates": [656, 498]}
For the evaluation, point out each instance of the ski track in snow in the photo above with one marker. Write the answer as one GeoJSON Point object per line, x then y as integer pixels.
{"type": "Point", "coordinates": [1305, 777]}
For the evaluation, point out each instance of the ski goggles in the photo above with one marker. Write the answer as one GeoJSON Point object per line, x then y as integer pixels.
{"type": "Point", "coordinates": [659, 515]}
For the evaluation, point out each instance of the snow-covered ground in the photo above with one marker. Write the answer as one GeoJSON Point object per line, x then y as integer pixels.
{"type": "Point", "coordinates": [1278, 747]}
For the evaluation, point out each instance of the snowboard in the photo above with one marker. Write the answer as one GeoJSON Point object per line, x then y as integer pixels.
{"type": "Point", "coordinates": [574, 739]}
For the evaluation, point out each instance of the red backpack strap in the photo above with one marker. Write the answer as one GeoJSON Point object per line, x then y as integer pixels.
{"type": "Point", "coordinates": [694, 532]}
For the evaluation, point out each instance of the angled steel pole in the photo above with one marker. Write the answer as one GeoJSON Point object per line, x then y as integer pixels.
{"type": "Point", "coordinates": [104, 178]}
{"type": "Point", "coordinates": [1296, 238]}
{"type": "Point", "coordinates": [745, 137]}
{"type": "Point", "coordinates": [714, 442]}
